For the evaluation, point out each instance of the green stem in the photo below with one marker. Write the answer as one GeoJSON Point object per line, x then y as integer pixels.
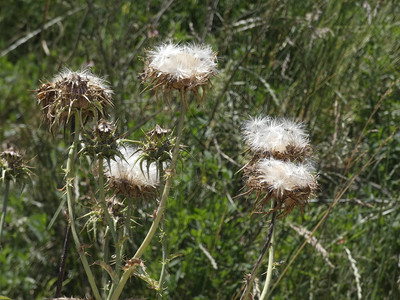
{"type": "Point", "coordinates": [163, 237]}
{"type": "Point", "coordinates": [103, 201]}
{"type": "Point", "coordinates": [105, 275]}
{"type": "Point", "coordinates": [250, 280]}
{"type": "Point", "coordinates": [164, 257]}
{"type": "Point", "coordinates": [270, 267]}
{"type": "Point", "coordinates": [70, 173]}
{"type": "Point", "coordinates": [161, 206]}
{"type": "Point", "coordinates": [4, 210]}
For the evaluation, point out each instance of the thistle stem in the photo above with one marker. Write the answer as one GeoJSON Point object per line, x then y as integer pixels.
{"type": "Point", "coordinates": [163, 237]}
{"type": "Point", "coordinates": [70, 173]}
{"type": "Point", "coordinates": [61, 270]}
{"type": "Point", "coordinates": [270, 267]}
{"type": "Point", "coordinates": [106, 258]}
{"type": "Point", "coordinates": [164, 258]}
{"type": "Point", "coordinates": [250, 280]}
{"type": "Point", "coordinates": [161, 206]}
{"type": "Point", "coordinates": [4, 210]}
{"type": "Point", "coordinates": [109, 220]}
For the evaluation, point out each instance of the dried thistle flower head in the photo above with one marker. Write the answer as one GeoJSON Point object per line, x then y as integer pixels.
{"type": "Point", "coordinates": [290, 184]}
{"type": "Point", "coordinates": [12, 166]}
{"type": "Point", "coordinates": [70, 92]}
{"type": "Point", "coordinates": [132, 177]}
{"type": "Point", "coordinates": [280, 138]}
{"type": "Point", "coordinates": [181, 67]}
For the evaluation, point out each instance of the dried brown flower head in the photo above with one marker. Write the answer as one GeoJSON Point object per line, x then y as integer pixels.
{"type": "Point", "coordinates": [70, 92]}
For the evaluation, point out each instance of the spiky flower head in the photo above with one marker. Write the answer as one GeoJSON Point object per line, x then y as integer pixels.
{"type": "Point", "coordinates": [12, 166]}
{"type": "Point", "coordinates": [70, 92]}
{"type": "Point", "coordinates": [158, 145]}
{"type": "Point", "coordinates": [132, 177]}
{"type": "Point", "coordinates": [279, 138]}
{"type": "Point", "coordinates": [181, 67]}
{"type": "Point", "coordinates": [102, 141]}
{"type": "Point", "coordinates": [289, 184]}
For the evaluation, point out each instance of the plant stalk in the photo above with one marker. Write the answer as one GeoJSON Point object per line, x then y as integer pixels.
{"type": "Point", "coordinates": [4, 210]}
{"type": "Point", "coordinates": [270, 267]}
{"type": "Point", "coordinates": [161, 207]}
{"type": "Point", "coordinates": [164, 258]}
{"type": "Point", "coordinates": [250, 280]}
{"type": "Point", "coordinates": [70, 173]}
{"type": "Point", "coordinates": [61, 270]}
{"type": "Point", "coordinates": [109, 220]}
{"type": "Point", "coordinates": [163, 237]}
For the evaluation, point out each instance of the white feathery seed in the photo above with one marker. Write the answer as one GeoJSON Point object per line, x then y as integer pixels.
{"type": "Point", "coordinates": [285, 176]}
{"type": "Point", "coordinates": [274, 135]}
{"type": "Point", "coordinates": [183, 61]}
{"type": "Point", "coordinates": [85, 74]}
{"type": "Point", "coordinates": [129, 168]}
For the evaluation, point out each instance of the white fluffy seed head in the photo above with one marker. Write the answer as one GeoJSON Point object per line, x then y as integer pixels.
{"type": "Point", "coordinates": [284, 176]}
{"type": "Point", "coordinates": [183, 61]}
{"type": "Point", "coordinates": [129, 169]}
{"type": "Point", "coordinates": [273, 135]}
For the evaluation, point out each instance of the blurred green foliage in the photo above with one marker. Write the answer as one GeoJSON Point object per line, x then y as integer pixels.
{"type": "Point", "coordinates": [327, 63]}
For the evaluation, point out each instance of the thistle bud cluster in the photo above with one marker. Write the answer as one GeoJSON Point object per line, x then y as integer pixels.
{"type": "Point", "coordinates": [12, 166]}
{"type": "Point", "coordinates": [279, 167]}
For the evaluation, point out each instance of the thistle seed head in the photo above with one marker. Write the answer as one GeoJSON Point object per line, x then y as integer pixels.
{"type": "Point", "coordinates": [132, 177]}
{"type": "Point", "coordinates": [181, 67]}
{"type": "Point", "coordinates": [70, 92]}
{"type": "Point", "coordinates": [279, 138]}
{"type": "Point", "coordinates": [290, 184]}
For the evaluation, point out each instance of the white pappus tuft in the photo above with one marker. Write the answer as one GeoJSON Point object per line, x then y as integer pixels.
{"type": "Point", "coordinates": [129, 168]}
{"type": "Point", "coordinates": [283, 176]}
{"type": "Point", "coordinates": [274, 135]}
{"type": "Point", "coordinates": [183, 61]}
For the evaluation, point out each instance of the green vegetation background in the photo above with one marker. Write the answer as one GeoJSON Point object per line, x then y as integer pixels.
{"type": "Point", "coordinates": [327, 63]}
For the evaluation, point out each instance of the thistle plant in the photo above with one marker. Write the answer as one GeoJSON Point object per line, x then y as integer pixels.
{"type": "Point", "coordinates": [184, 68]}
{"type": "Point", "coordinates": [71, 100]}
{"type": "Point", "coordinates": [279, 172]}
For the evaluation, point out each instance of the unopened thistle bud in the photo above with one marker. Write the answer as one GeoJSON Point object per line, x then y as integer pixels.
{"type": "Point", "coordinates": [181, 67]}
{"type": "Point", "coordinates": [130, 177]}
{"type": "Point", "coordinates": [70, 92]}
{"type": "Point", "coordinates": [102, 142]}
{"type": "Point", "coordinates": [158, 145]}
